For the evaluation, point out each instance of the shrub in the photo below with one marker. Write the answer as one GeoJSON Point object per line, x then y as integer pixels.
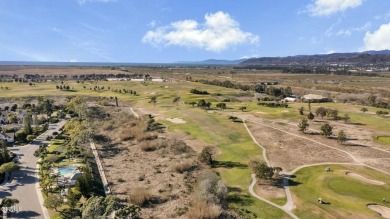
{"type": "Point", "coordinates": [140, 196]}
{"type": "Point", "coordinates": [273, 104]}
{"type": "Point", "coordinates": [55, 133]}
{"type": "Point", "coordinates": [184, 166]}
{"type": "Point", "coordinates": [54, 120]}
{"type": "Point", "coordinates": [210, 189]}
{"type": "Point", "coordinates": [326, 130]}
{"type": "Point", "coordinates": [41, 150]}
{"type": "Point", "coordinates": [149, 146]}
{"type": "Point", "coordinates": [21, 135]}
{"type": "Point", "coordinates": [195, 91]}
{"type": "Point", "coordinates": [30, 137]}
{"type": "Point", "coordinates": [9, 130]}
{"type": "Point", "coordinates": [206, 156]}
{"type": "Point", "coordinates": [201, 210]}
{"type": "Point", "coordinates": [179, 147]}
{"type": "Point", "coordinates": [261, 170]}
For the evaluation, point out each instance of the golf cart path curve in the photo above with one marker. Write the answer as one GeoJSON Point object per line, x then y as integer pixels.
{"type": "Point", "coordinates": [289, 206]}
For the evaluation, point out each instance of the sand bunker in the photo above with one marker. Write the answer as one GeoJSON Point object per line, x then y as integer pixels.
{"type": "Point", "coordinates": [380, 209]}
{"type": "Point", "coordinates": [361, 178]}
{"type": "Point", "coordinates": [176, 120]}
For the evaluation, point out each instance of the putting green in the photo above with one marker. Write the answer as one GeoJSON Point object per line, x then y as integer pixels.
{"type": "Point", "coordinates": [347, 197]}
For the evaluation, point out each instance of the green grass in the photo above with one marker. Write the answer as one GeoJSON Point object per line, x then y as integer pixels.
{"type": "Point", "coordinates": [54, 145]}
{"type": "Point", "coordinates": [236, 150]}
{"type": "Point", "coordinates": [348, 197]}
{"type": "Point", "coordinates": [235, 146]}
{"type": "Point", "coordinates": [383, 139]}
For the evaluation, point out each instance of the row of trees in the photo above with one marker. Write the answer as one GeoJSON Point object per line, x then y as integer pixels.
{"type": "Point", "coordinates": [7, 166]}
{"type": "Point", "coordinates": [273, 104]}
{"type": "Point", "coordinates": [196, 91]}
{"type": "Point", "coordinates": [325, 130]}
{"type": "Point", "coordinates": [228, 84]}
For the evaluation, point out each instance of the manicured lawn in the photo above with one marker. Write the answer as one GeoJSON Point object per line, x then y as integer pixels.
{"type": "Point", "coordinates": [347, 196]}
{"type": "Point", "coordinates": [236, 149]}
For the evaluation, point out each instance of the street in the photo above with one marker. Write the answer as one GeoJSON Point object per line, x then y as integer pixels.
{"type": "Point", "coordinates": [24, 185]}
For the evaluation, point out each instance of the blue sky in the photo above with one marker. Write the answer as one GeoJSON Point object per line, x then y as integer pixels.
{"type": "Point", "coordinates": [177, 30]}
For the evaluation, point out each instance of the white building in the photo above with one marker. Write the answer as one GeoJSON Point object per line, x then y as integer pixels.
{"type": "Point", "coordinates": [158, 80]}
{"type": "Point", "coordinates": [290, 99]}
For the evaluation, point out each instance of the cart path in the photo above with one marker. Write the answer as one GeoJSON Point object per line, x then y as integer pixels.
{"type": "Point", "coordinates": [289, 206]}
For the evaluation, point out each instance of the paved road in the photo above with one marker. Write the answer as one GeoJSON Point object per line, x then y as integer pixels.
{"type": "Point", "coordinates": [24, 185]}
{"type": "Point", "coordinates": [267, 201]}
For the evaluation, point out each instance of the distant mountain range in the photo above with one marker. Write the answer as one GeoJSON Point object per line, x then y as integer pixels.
{"type": "Point", "coordinates": [356, 59]}
{"type": "Point", "coordinates": [214, 62]}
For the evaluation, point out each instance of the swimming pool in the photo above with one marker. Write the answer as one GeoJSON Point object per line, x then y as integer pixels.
{"type": "Point", "coordinates": [66, 170]}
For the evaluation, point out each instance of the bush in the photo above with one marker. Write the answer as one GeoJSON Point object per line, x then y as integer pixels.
{"type": "Point", "coordinates": [21, 135]}
{"type": "Point", "coordinates": [184, 166]}
{"type": "Point", "coordinates": [30, 137]}
{"type": "Point", "coordinates": [54, 120]}
{"type": "Point", "coordinates": [55, 133]}
{"type": "Point", "coordinates": [149, 146]}
{"type": "Point", "coordinates": [206, 156]}
{"type": "Point", "coordinates": [179, 147]}
{"type": "Point", "coordinates": [195, 91]}
{"type": "Point", "coordinates": [201, 210]}
{"type": "Point", "coordinates": [41, 150]}
{"type": "Point", "coordinates": [7, 130]}
{"type": "Point", "coordinates": [140, 196]}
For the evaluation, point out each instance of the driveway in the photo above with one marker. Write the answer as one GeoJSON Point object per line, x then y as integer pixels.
{"type": "Point", "coordinates": [24, 185]}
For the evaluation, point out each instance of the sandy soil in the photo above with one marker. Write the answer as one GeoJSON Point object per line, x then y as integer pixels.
{"type": "Point", "coordinates": [176, 120]}
{"type": "Point", "coordinates": [364, 179]}
{"type": "Point", "coordinates": [269, 191]}
{"type": "Point", "coordinates": [289, 152]}
{"type": "Point", "coordinates": [283, 147]}
{"type": "Point", "coordinates": [129, 168]}
{"type": "Point", "coordinates": [382, 210]}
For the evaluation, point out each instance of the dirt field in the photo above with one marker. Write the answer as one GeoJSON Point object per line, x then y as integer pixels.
{"type": "Point", "coordinates": [290, 151]}
{"type": "Point", "coordinates": [129, 169]}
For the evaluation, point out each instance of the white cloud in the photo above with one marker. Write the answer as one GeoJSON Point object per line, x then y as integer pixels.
{"type": "Point", "coordinates": [217, 33]}
{"type": "Point", "coordinates": [348, 32]}
{"type": "Point", "coordinates": [249, 56]}
{"type": "Point", "coordinates": [328, 7]}
{"type": "Point", "coordinates": [153, 23]}
{"type": "Point", "coordinates": [344, 33]}
{"type": "Point", "coordinates": [379, 39]}
{"type": "Point", "coordinates": [81, 2]}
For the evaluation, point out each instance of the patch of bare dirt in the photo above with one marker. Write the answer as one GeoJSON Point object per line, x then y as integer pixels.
{"type": "Point", "coordinates": [289, 152]}
{"type": "Point", "coordinates": [176, 120]}
{"type": "Point", "coordinates": [269, 190]}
